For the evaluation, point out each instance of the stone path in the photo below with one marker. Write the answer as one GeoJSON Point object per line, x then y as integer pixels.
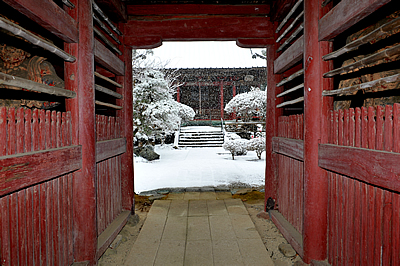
{"type": "Point", "coordinates": [198, 228]}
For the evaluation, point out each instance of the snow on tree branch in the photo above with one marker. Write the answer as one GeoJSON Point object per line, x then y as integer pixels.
{"type": "Point", "coordinates": [248, 104]}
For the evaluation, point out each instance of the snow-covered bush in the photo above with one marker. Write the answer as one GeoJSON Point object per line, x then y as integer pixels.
{"type": "Point", "coordinates": [236, 147]}
{"type": "Point", "coordinates": [257, 145]}
{"type": "Point", "coordinates": [248, 104]}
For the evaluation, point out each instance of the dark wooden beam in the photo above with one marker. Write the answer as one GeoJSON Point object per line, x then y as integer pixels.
{"type": "Point", "coordinates": [116, 9]}
{"type": "Point", "coordinates": [379, 168]}
{"type": "Point", "coordinates": [254, 43]}
{"type": "Point", "coordinates": [50, 16]}
{"type": "Point", "coordinates": [193, 9]}
{"type": "Point", "coordinates": [290, 147]}
{"type": "Point", "coordinates": [344, 15]}
{"type": "Point", "coordinates": [290, 57]}
{"type": "Point", "coordinates": [107, 237]}
{"type": "Point", "coordinates": [288, 231]}
{"type": "Point", "coordinates": [27, 169]}
{"type": "Point", "coordinates": [149, 32]}
{"type": "Point", "coordinates": [109, 148]}
{"type": "Point", "coordinates": [107, 59]}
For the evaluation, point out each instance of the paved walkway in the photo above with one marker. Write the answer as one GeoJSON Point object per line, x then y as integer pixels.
{"type": "Point", "coordinates": [198, 228]}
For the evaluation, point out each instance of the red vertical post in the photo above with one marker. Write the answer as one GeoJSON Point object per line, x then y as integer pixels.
{"type": "Point", "coordinates": [315, 131]}
{"type": "Point", "coordinates": [178, 94]}
{"type": "Point", "coordinates": [221, 87]}
{"type": "Point", "coordinates": [271, 167]}
{"type": "Point", "coordinates": [125, 115]}
{"type": "Point", "coordinates": [81, 75]}
{"type": "Point", "coordinates": [233, 95]}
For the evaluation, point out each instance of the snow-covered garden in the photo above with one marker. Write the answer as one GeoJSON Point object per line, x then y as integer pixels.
{"type": "Point", "coordinates": [197, 167]}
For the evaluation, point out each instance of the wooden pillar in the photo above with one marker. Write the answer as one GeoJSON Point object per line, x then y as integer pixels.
{"type": "Point", "coordinates": [125, 115]}
{"type": "Point", "coordinates": [271, 170]}
{"type": "Point", "coordinates": [233, 95]}
{"type": "Point", "coordinates": [221, 87]}
{"type": "Point", "coordinates": [178, 94]}
{"type": "Point", "coordinates": [84, 181]}
{"type": "Point", "coordinates": [315, 179]}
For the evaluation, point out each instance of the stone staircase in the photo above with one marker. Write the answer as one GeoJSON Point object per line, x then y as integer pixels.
{"type": "Point", "coordinates": [200, 137]}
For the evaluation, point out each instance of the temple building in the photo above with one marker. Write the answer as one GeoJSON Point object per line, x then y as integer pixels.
{"type": "Point", "coordinates": [208, 90]}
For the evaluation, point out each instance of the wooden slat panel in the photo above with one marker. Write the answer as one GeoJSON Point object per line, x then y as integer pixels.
{"type": "Point", "coordinates": [290, 57]}
{"type": "Point", "coordinates": [344, 15]}
{"type": "Point", "coordinates": [379, 168]}
{"type": "Point", "coordinates": [49, 15]}
{"type": "Point", "coordinates": [109, 148]}
{"type": "Point", "coordinates": [289, 147]}
{"type": "Point", "coordinates": [23, 170]}
{"type": "Point", "coordinates": [107, 59]}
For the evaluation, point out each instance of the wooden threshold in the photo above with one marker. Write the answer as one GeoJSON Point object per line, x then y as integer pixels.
{"type": "Point", "coordinates": [288, 231]}
{"type": "Point", "coordinates": [111, 232]}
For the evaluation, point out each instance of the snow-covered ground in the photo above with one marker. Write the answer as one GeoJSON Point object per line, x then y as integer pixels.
{"type": "Point", "coordinates": [197, 167]}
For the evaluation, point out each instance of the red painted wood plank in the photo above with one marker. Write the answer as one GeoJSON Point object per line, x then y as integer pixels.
{"type": "Point", "coordinates": [43, 223]}
{"type": "Point", "coordinates": [30, 219]}
{"type": "Point", "coordinates": [379, 168]}
{"type": "Point", "coordinates": [48, 130]}
{"type": "Point", "coordinates": [13, 230]}
{"type": "Point", "coordinates": [19, 171]}
{"type": "Point", "coordinates": [5, 231]}
{"type": "Point", "coordinates": [37, 233]}
{"type": "Point", "coordinates": [53, 129]}
{"type": "Point", "coordinates": [107, 59]}
{"type": "Point", "coordinates": [11, 136]}
{"type": "Point", "coordinates": [194, 9]}
{"type": "Point", "coordinates": [70, 220]}
{"type": "Point", "coordinates": [20, 130]}
{"type": "Point", "coordinates": [344, 15]}
{"type": "Point", "coordinates": [3, 131]}
{"type": "Point", "coordinates": [28, 130]}
{"type": "Point", "coordinates": [58, 130]}
{"type": "Point", "coordinates": [290, 57]}
{"type": "Point", "coordinates": [289, 147]}
{"type": "Point", "coordinates": [55, 221]}
{"type": "Point", "coordinates": [42, 130]}
{"type": "Point", "coordinates": [109, 148]}
{"type": "Point", "coordinates": [50, 16]}
{"type": "Point", "coordinates": [49, 223]}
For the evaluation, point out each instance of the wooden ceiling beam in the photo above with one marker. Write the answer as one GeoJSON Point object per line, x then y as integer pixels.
{"type": "Point", "coordinates": [191, 9]}
{"type": "Point", "coordinates": [249, 31]}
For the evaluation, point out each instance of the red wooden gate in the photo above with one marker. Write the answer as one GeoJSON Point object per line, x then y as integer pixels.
{"type": "Point", "coordinates": [36, 212]}
{"type": "Point", "coordinates": [290, 175]}
{"type": "Point", "coordinates": [364, 219]}
{"type": "Point", "coordinates": [109, 204]}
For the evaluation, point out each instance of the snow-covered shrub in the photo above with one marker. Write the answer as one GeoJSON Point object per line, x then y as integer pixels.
{"type": "Point", "coordinates": [236, 147]}
{"type": "Point", "coordinates": [257, 145]}
{"type": "Point", "coordinates": [248, 104]}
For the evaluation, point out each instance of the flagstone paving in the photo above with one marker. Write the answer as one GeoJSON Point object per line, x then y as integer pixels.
{"type": "Point", "coordinates": [198, 228]}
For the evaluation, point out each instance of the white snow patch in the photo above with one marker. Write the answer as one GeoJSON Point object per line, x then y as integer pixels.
{"type": "Point", "coordinates": [197, 167]}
